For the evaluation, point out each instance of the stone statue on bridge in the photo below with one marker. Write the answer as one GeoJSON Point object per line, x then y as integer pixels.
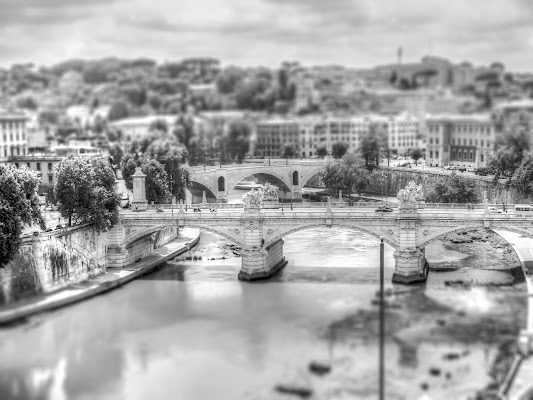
{"type": "Point", "coordinates": [254, 198]}
{"type": "Point", "coordinates": [410, 195]}
{"type": "Point", "coordinates": [270, 192]}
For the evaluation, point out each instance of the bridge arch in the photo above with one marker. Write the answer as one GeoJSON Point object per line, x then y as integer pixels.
{"type": "Point", "coordinates": [144, 231]}
{"type": "Point", "coordinates": [438, 234]}
{"type": "Point", "coordinates": [236, 179]}
{"type": "Point", "coordinates": [277, 235]}
{"type": "Point", "coordinates": [197, 187]}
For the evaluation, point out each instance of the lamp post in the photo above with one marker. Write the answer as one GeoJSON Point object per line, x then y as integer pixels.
{"type": "Point", "coordinates": [171, 179]}
{"type": "Point", "coordinates": [381, 321]}
{"type": "Point", "coordinates": [382, 186]}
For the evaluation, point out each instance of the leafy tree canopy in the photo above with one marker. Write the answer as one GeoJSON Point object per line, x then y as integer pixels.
{"type": "Point", "coordinates": [19, 205]}
{"type": "Point", "coordinates": [348, 173]}
{"type": "Point", "coordinates": [455, 189]}
{"type": "Point", "coordinates": [85, 191]}
{"type": "Point", "coordinates": [339, 149]}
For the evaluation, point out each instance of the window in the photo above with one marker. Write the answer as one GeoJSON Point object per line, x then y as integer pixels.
{"type": "Point", "coordinates": [482, 157]}
{"type": "Point", "coordinates": [470, 142]}
{"type": "Point", "coordinates": [28, 164]}
{"type": "Point", "coordinates": [50, 179]}
{"type": "Point", "coordinates": [482, 143]}
{"type": "Point", "coordinates": [437, 154]}
{"type": "Point", "coordinates": [38, 166]}
{"type": "Point", "coordinates": [437, 141]}
{"type": "Point", "coordinates": [295, 178]}
{"type": "Point", "coordinates": [49, 166]}
{"type": "Point", "coordinates": [471, 155]}
{"type": "Point", "coordinates": [431, 154]}
{"type": "Point", "coordinates": [17, 164]}
{"type": "Point", "coordinates": [453, 154]}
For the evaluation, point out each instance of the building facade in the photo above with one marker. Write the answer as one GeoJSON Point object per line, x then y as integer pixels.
{"type": "Point", "coordinates": [44, 165]}
{"type": "Point", "coordinates": [460, 140]}
{"type": "Point", "coordinates": [307, 135]}
{"type": "Point", "coordinates": [13, 136]}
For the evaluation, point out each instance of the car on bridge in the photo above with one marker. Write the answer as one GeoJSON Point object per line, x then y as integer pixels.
{"type": "Point", "coordinates": [383, 209]}
{"type": "Point", "coordinates": [495, 210]}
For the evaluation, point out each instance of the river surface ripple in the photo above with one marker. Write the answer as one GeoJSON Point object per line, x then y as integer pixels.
{"type": "Point", "coordinates": [191, 330]}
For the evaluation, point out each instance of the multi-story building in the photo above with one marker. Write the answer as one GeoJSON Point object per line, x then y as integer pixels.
{"type": "Point", "coordinates": [44, 165]}
{"type": "Point", "coordinates": [306, 135]}
{"type": "Point", "coordinates": [13, 139]}
{"type": "Point", "coordinates": [463, 140]}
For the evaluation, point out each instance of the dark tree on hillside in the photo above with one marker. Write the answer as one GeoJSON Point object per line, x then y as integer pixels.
{"type": "Point", "coordinates": [238, 140]}
{"type": "Point", "coordinates": [373, 143]}
{"type": "Point", "coordinates": [118, 111]}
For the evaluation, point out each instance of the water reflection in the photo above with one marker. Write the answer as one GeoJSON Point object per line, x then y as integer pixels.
{"type": "Point", "coordinates": [193, 331]}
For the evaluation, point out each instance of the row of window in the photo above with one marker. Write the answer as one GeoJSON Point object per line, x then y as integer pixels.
{"type": "Point", "coordinates": [12, 125]}
{"type": "Point", "coordinates": [12, 137]}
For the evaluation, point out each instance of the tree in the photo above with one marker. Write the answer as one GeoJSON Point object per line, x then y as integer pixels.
{"type": "Point", "coordinates": [228, 79]}
{"type": "Point", "coordinates": [85, 191]}
{"type": "Point", "coordinates": [19, 205]}
{"type": "Point", "coordinates": [238, 139]}
{"type": "Point", "coordinates": [513, 144]}
{"type": "Point", "coordinates": [321, 151]}
{"type": "Point", "coordinates": [374, 141]}
{"type": "Point", "coordinates": [416, 154]}
{"type": "Point", "coordinates": [348, 173]}
{"type": "Point", "coordinates": [184, 129]}
{"type": "Point", "coordinates": [339, 149]}
{"type": "Point", "coordinates": [118, 110]}
{"type": "Point", "coordinates": [289, 152]}
{"type": "Point", "coordinates": [156, 181]}
{"type": "Point", "coordinates": [158, 125]}
{"type": "Point", "coordinates": [116, 153]}
{"type": "Point", "coordinates": [523, 176]}
{"type": "Point", "coordinates": [455, 189]}
{"type": "Point", "coordinates": [172, 156]}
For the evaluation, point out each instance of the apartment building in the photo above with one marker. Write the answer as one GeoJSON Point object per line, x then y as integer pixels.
{"type": "Point", "coordinates": [464, 140]}
{"type": "Point", "coordinates": [13, 139]}
{"type": "Point", "coordinates": [306, 135]}
{"type": "Point", "coordinates": [44, 165]}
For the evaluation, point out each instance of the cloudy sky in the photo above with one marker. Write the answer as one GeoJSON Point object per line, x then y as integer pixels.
{"type": "Point", "coordinates": [358, 33]}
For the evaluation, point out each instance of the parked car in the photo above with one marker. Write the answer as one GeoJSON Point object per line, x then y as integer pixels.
{"type": "Point", "coordinates": [523, 207]}
{"type": "Point", "coordinates": [449, 167]}
{"type": "Point", "coordinates": [159, 209]}
{"type": "Point", "coordinates": [481, 171]}
{"type": "Point", "coordinates": [494, 210]}
{"type": "Point", "coordinates": [59, 226]}
{"type": "Point", "coordinates": [471, 169]}
{"type": "Point", "coordinates": [383, 209]}
{"type": "Point", "coordinates": [461, 168]}
{"type": "Point", "coordinates": [405, 164]}
{"type": "Point", "coordinates": [197, 209]}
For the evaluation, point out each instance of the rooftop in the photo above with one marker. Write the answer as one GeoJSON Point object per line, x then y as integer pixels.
{"type": "Point", "coordinates": [459, 117]}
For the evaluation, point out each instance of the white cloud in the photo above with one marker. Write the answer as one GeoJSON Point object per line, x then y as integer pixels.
{"type": "Point", "coordinates": [251, 32]}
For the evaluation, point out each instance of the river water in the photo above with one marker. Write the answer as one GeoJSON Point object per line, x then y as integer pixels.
{"type": "Point", "coordinates": [191, 330]}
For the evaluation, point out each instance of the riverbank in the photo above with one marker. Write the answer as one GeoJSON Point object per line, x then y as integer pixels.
{"type": "Point", "coordinates": [111, 279]}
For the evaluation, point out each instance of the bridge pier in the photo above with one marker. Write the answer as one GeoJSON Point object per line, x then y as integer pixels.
{"type": "Point", "coordinates": [258, 261]}
{"type": "Point", "coordinates": [410, 266]}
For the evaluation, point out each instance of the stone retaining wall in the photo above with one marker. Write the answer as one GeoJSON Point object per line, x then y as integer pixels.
{"type": "Point", "coordinates": [49, 262]}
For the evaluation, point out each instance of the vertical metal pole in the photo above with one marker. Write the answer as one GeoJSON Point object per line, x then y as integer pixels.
{"type": "Point", "coordinates": [381, 321]}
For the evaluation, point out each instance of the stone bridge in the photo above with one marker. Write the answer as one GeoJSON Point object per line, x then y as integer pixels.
{"type": "Point", "coordinates": [218, 181]}
{"type": "Point", "coordinates": [260, 231]}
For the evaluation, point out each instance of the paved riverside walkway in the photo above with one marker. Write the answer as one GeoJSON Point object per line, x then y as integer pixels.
{"type": "Point", "coordinates": [523, 379]}
{"type": "Point", "coordinates": [111, 279]}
